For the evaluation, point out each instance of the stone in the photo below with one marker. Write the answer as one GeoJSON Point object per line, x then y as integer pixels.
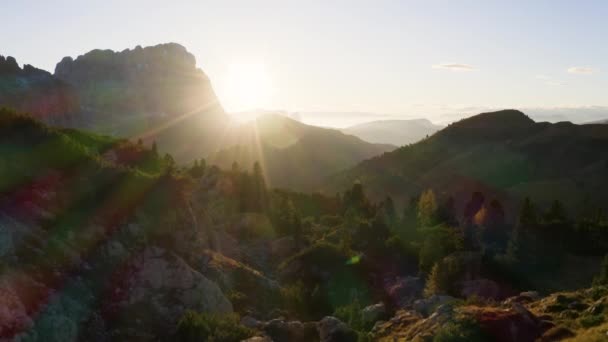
{"type": "Point", "coordinates": [427, 306]}
{"type": "Point", "coordinates": [373, 313]}
{"type": "Point", "coordinates": [280, 330]}
{"type": "Point", "coordinates": [404, 290]}
{"type": "Point", "coordinates": [532, 295]}
{"type": "Point", "coordinates": [250, 322]}
{"type": "Point", "coordinates": [332, 329]}
{"type": "Point", "coordinates": [556, 334]}
{"type": "Point", "coordinates": [258, 339]}
{"type": "Point", "coordinates": [164, 286]}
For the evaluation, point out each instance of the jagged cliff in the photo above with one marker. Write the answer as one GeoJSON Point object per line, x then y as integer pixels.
{"type": "Point", "coordinates": [37, 92]}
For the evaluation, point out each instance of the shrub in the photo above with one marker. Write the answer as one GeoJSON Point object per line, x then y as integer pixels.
{"type": "Point", "coordinates": [194, 326]}
{"type": "Point", "coordinates": [589, 321]}
{"type": "Point", "coordinates": [351, 315]}
{"type": "Point", "coordinates": [461, 330]}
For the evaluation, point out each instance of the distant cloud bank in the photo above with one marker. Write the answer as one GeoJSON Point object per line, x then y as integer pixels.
{"type": "Point", "coordinates": [582, 70]}
{"type": "Point", "coordinates": [454, 66]}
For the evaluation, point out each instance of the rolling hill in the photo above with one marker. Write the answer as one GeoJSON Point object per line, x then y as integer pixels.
{"type": "Point", "coordinates": [293, 154]}
{"type": "Point", "coordinates": [394, 132]}
{"type": "Point", "coordinates": [503, 154]}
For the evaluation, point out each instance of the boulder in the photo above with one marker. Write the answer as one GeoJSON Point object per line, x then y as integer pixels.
{"type": "Point", "coordinates": [250, 322]}
{"type": "Point", "coordinates": [404, 290]}
{"type": "Point", "coordinates": [280, 330]}
{"type": "Point", "coordinates": [481, 288]}
{"type": "Point", "coordinates": [332, 329]}
{"type": "Point", "coordinates": [556, 334]}
{"type": "Point", "coordinates": [374, 313]}
{"type": "Point", "coordinates": [160, 287]}
{"type": "Point", "coordinates": [426, 306]}
{"type": "Point", "coordinates": [258, 339]}
{"type": "Point", "coordinates": [532, 295]}
{"type": "Point", "coordinates": [513, 325]}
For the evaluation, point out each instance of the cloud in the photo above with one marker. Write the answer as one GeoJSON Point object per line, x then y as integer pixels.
{"type": "Point", "coordinates": [454, 67]}
{"type": "Point", "coordinates": [582, 70]}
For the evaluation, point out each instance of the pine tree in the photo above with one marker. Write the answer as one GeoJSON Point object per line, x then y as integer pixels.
{"type": "Point", "coordinates": [427, 209]}
{"type": "Point", "coordinates": [523, 245]}
{"type": "Point", "coordinates": [259, 188]}
{"type": "Point", "coordinates": [390, 214]}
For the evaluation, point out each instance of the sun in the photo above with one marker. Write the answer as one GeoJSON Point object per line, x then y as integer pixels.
{"type": "Point", "coordinates": [246, 87]}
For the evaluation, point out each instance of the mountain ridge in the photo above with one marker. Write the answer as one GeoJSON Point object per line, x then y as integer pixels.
{"type": "Point", "coordinates": [394, 132]}
{"type": "Point", "coordinates": [505, 154]}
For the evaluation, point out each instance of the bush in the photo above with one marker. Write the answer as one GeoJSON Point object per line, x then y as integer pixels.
{"type": "Point", "coordinates": [196, 327]}
{"type": "Point", "coordinates": [461, 330]}
{"type": "Point", "coordinates": [351, 315]}
{"type": "Point", "coordinates": [589, 321]}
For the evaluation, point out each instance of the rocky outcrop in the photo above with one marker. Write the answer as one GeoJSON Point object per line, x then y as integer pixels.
{"type": "Point", "coordinates": [332, 329]}
{"type": "Point", "coordinates": [426, 306]}
{"type": "Point", "coordinates": [163, 287]}
{"type": "Point", "coordinates": [373, 313]}
{"type": "Point", "coordinates": [404, 290]}
{"type": "Point", "coordinates": [251, 288]}
{"type": "Point", "coordinates": [280, 330]}
{"type": "Point", "coordinates": [135, 91]}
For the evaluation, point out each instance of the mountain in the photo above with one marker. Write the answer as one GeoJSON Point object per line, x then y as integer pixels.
{"type": "Point", "coordinates": [158, 94]}
{"type": "Point", "coordinates": [503, 154]}
{"type": "Point", "coordinates": [154, 93]}
{"type": "Point", "coordinates": [599, 122]}
{"type": "Point", "coordinates": [36, 91]}
{"type": "Point", "coordinates": [293, 154]}
{"type": "Point", "coordinates": [394, 132]}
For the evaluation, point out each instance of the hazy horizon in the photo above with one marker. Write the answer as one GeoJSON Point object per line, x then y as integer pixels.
{"type": "Point", "coordinates": [398, 60]}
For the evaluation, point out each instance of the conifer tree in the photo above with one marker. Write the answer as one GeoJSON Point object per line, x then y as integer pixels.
{"type": "Point", "coordinates": [427, 209]}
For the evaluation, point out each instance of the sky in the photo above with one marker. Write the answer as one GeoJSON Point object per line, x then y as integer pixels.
{"type": "Point", "coordinates": [384, 59]}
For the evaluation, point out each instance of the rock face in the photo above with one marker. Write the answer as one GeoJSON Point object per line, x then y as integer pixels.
{"type": "Point", "coordinates": [158, 81]}
{"type": "Point", "coordinates": [166, 287]}
{"type": "Point", "coordinates": [37, 92]}
{"type": "Point", "coordinates": [156, 91]}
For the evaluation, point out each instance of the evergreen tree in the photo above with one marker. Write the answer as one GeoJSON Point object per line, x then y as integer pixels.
{"type": "Point", "coordinates": [491, 227]}
{"type": "Point", "coordinates": [427, 209]}
{"type": "Point", "coordinates": [259, 188]}
{"type": "Point", "coordinates": [447, 212]}
{"type": "Point", "coordinates": [390, 214]}
{"type": "Point", "coordinates": [523, 245]}
{"type": "Point", "coordinates": [355, 199]}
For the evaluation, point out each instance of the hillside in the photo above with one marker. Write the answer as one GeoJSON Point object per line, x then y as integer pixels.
{"type": "Point", "coordinates": [103, 239]}
{"type": "Point", "coordinates": [505, 154]}
{"type": "Point", "coordinates": [293, 154]}
{"type": "Point", "coordinates": [394, 132]}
